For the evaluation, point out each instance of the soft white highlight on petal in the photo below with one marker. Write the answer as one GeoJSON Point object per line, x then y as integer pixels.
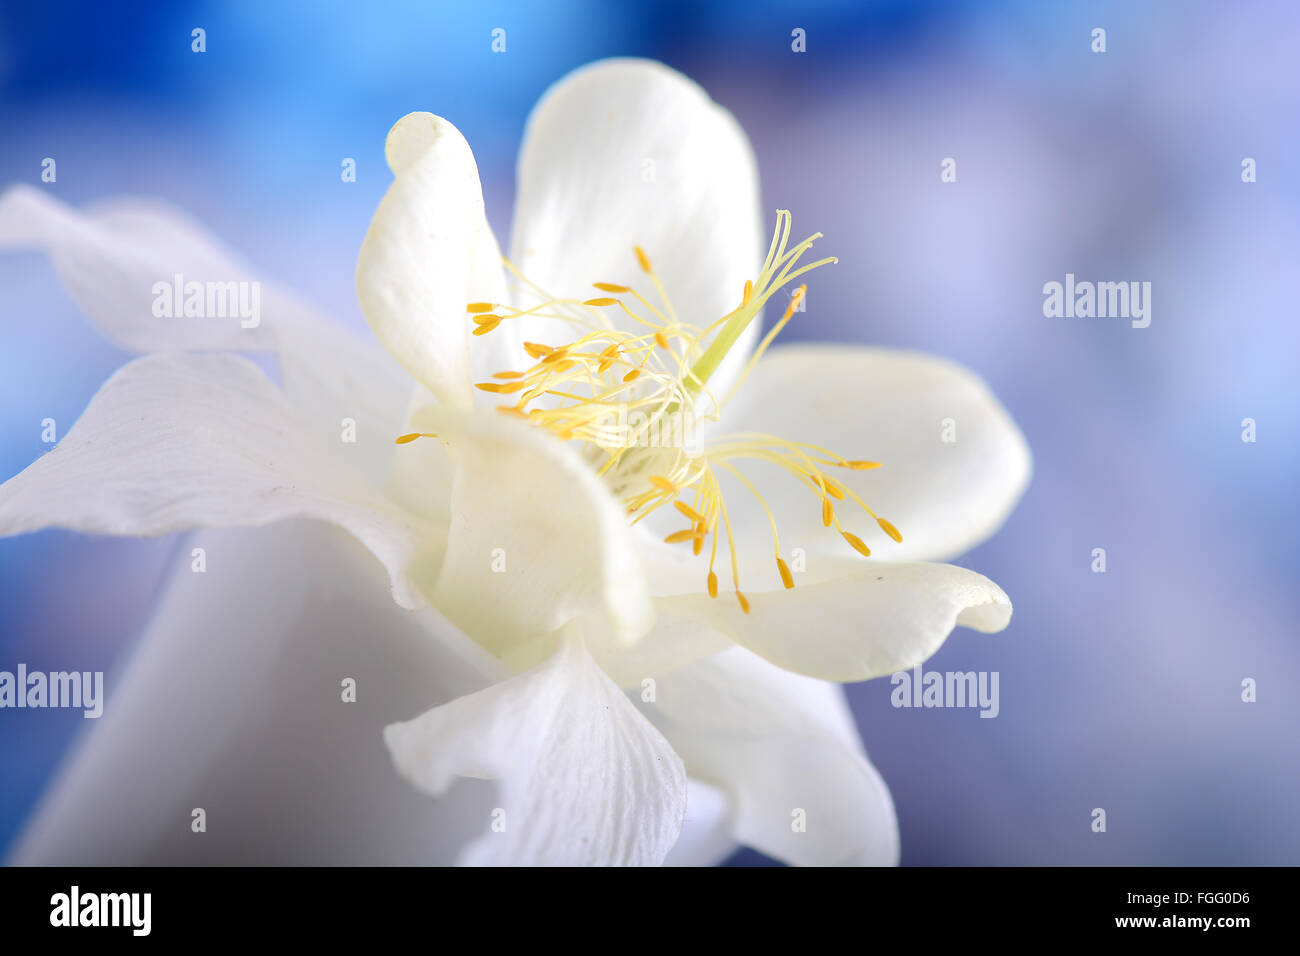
{"type": "Point", "coordinates": [428, 253]}
{"type": "Point", "coordinates": [786, 751]}
{"type": "Point", "coordinates": [853, 620]}
{"type": "Point", "coordinates": [585, 778]}
{"type": "Point", "coordinates": [173, 442]}
{"type": "Point", "coordinates": [629, 152]}
{"type": "Point", "coordinates": [881, 405]}
{"type": "Point", "coordinates": [535, 538]}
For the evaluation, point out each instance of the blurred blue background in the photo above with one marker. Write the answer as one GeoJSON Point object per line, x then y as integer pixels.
{"type": "Point", "coordinates": [1118, 690]}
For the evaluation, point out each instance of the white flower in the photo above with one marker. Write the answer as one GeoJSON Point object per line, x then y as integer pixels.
{"type": "Point", "coordinates": [637, 278]}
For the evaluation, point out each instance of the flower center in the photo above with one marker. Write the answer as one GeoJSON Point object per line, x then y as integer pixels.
{"type": "Point", "coordinates": [632, 399]}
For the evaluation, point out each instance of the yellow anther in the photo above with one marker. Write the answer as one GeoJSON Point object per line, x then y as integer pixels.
{"type": "Point", "coordinates": [508, 375]}
{"type": "Point", "coordinates": [513, 410]}
{"type": "Point", "coordinates": [501, 388]}
{"type": "Point", "coordinates": [786, 577]}
{"type": "Point", "coordinates": [643, 260]}
{"type": "Point", "coordinates": [661, 340]}
{"type": "Point", "coordinates": [487, 327]}
{"type": "Point", "coordinates": [404, 439]}
{"type": "Point", "coordinates": [858, 546]}
{"type": "Point", "coordinates": [689, 512]}
{"type": "Point", "coordinates": [861, 465]}
{"type": "Point", "coordinates": [663, 484]}
{"type": "Point", "coordinates": [744, 602]}
{"type": "Point", "coordinates": [749, 290]}
{"type": "Point", "coordinates": [832, 488]}
{"type": "Point", "coordinates": [828, 512]}
{"type": "Point", "coordinates": [486, 317]}
{"type": "Point", "coordinates": [611, 287]}
{"type": "Point", "coordinates": [795, 300]}
{"type": "Point", "coordinates": [713, 585]}
{"type": "Point", "coordinates": [631, 376]}
{"type": "Point", "coordinates": [479, 307]}
{"type": "Point", "coordinates": [607, 357]}
{"type": "Point", "coordinates": [889, 529]}
{"type": "Point", "coordinates": [677, 537]}
{"type": "Point", "coordinates": [537, 351]}
{"type": "Point", "coordinates": [601, 301]}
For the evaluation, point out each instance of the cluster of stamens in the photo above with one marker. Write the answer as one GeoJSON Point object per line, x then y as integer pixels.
{"type": "Point", "coordinates": [615, 390]}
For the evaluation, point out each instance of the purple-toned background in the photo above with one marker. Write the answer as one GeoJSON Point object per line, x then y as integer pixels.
{"type": "Point", "coordinates": [1118, 690]}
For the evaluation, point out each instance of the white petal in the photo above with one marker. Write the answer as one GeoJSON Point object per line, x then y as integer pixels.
{"type": "Point", "coordinates": [110, 264]}
{"type": "Point", "coordinates": [422, 472]}
{"type": "Point", "coordinates": [706, 838]}
{"type": "Point", "coordinates": [428, 253]}
{"type": "Point", "coordinates": [535, 539]}
{"type": "Point", "coordinates": [232, 700]}
{"type": "Point", "coordinates": [349, 392]}
{"type": "Point", "coordinates": [674, 640]}
{"type": "Point", "coordinates": [886, 406]}
{"type": "Point", "coordinates": [786, 751]}
{"type": "Point", "coordinates": [178, 441]}
{"type": "Point", "coordinates": [585, 779]}
{"type": "Point", "coordinates": [111, 255]}
{"type": "Point", "coordinates": [628, 152]}
{"type": "Point", "coordinates": [850, 620]}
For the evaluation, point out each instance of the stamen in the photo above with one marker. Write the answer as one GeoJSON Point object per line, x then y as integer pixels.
{"type": "Point", "coordinates": [786, 577]}
{"type": "Point", "coordinates": [856, 542]}
{"type": "Point", "coordinates": [690, 534]}
{"type": "Point", "coordinates": [607, 356]}
{"type": "Point", "coordinates": [688, 511]}
{"type": "Point", "coordinates": [614, 388]}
